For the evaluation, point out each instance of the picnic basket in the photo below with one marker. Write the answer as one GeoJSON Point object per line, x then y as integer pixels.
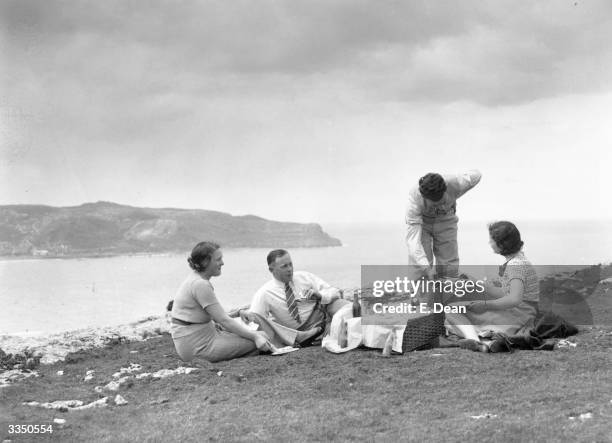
{"type": "Point", "coordinates": [423, 330]}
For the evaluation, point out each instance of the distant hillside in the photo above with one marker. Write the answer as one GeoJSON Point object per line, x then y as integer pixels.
{"type": "Point", "coordinates": [105, 228]}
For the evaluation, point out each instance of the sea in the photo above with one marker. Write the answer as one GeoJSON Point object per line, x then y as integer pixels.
{"type": "Point", "coordinates": [41, 296]}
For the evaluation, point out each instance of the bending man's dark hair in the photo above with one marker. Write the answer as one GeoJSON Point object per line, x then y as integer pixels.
{"type": "Point", "coordinates": [432, 186]}
{"type": "Point", "coordinates": [201, 255]}
{"type": "Point", "coordinates": [506, 236]}
{"type": "Point", "coordinates": [273, 255]}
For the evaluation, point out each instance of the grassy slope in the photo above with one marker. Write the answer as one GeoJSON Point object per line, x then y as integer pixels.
{"type": "Point", "coordinates": [315, 395]}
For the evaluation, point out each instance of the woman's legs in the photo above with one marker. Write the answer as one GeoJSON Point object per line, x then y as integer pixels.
{"type": "Point", "coordinates": [458, 324]}
{"type": "Point", "coordinates": [227, 346]}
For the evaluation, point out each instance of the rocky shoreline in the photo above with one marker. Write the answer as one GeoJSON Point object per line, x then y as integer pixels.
{"type": "Point", "coordinates": [20, 356]}
{"type": "Point", "coordinates": [48, 349]}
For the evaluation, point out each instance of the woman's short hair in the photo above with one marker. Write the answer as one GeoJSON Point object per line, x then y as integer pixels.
{"type": "Point", "coordinates": [506, 236]}
{"type": "Point", "coordinates": [432, 186]}
{"type": "Point", "coordinates": [201, 255]}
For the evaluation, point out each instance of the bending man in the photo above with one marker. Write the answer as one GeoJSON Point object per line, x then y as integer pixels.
{"type": "Point", "coordinates": [432, 223]}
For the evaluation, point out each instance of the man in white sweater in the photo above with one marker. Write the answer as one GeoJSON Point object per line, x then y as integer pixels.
{"type": "Point", "coordinates": [432, 223]}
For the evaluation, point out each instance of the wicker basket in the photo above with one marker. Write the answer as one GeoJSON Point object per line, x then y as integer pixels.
{"type": "Point", "coordinates": [423, 332]}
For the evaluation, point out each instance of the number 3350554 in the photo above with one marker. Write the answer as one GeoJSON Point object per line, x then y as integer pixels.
{"type": "Point", "coordinates": [30, 429]}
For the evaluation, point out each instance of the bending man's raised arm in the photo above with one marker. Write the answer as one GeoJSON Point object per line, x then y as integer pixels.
{"type": "Point", "coordinates": [462, 183]}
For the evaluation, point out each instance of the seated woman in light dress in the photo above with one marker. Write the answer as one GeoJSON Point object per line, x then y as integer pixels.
{"type": "Point", "coordinates": [196, 312]}
{"type": "Point", "coordinates": [504, 310]}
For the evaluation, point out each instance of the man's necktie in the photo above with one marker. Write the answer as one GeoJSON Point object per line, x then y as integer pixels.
{"type": "Point", "coordinates": [291, 303]}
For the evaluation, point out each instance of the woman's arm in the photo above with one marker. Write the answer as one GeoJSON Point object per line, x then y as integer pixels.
{"type": "Point", "coordinates": [493, 292]}
{"type": "Point", "coordinates": [512, 299]}
{"type": "Point", "coordinates": [220, 316]}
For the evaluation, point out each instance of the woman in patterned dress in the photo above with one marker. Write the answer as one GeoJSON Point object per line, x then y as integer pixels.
{"type": "Point", "coordinates": [506, 309]}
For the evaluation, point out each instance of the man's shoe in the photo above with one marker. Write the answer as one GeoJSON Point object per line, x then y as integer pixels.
{"type": "Point", "coordinates": [501, 344]}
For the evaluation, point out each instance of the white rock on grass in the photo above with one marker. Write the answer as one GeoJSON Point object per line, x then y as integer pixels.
{"type": "Point", "coordinates": [116, 384]}
{"type": "Point", "coordinates": [485, 415]}
{"type": "Point", "coordinates": [582, 417]}
{"type": "Point", "coordinates": [134, 367]}
{"type": "Point", "coordinates": [163, 373]}
{"type": "Point", "coordinates": [89, 375]}
{"type": "Point", "coordinates": [103, 402]}
{"type": "Point", "coordinates": [120, 401]}
{"type": "Point", "coordinates": [59, 421]}
{"type": "Point", "coordinates": [60, 373]}
{"type": "Point", "coordinates": [61, 405]}
{"type": "Point", "coordinates": [14, 375]}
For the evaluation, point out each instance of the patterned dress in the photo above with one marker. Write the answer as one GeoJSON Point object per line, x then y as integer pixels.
{"type": "Point", "coordinates": [508, 321]}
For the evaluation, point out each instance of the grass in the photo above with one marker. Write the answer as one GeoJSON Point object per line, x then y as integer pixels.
{"type": "Point", "coordinates": [315, 395]}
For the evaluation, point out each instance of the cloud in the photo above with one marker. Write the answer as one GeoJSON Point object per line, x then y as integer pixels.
{"type": "Point", "coordinates": [120, 71]}
{"type": "Point", "coordinates": [486, 52]}
{"type": "Point", "coordinates": [155, 101]}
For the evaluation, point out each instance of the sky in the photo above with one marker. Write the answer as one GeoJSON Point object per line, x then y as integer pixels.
{"type": "Point", "coordinates": [311, 111]}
